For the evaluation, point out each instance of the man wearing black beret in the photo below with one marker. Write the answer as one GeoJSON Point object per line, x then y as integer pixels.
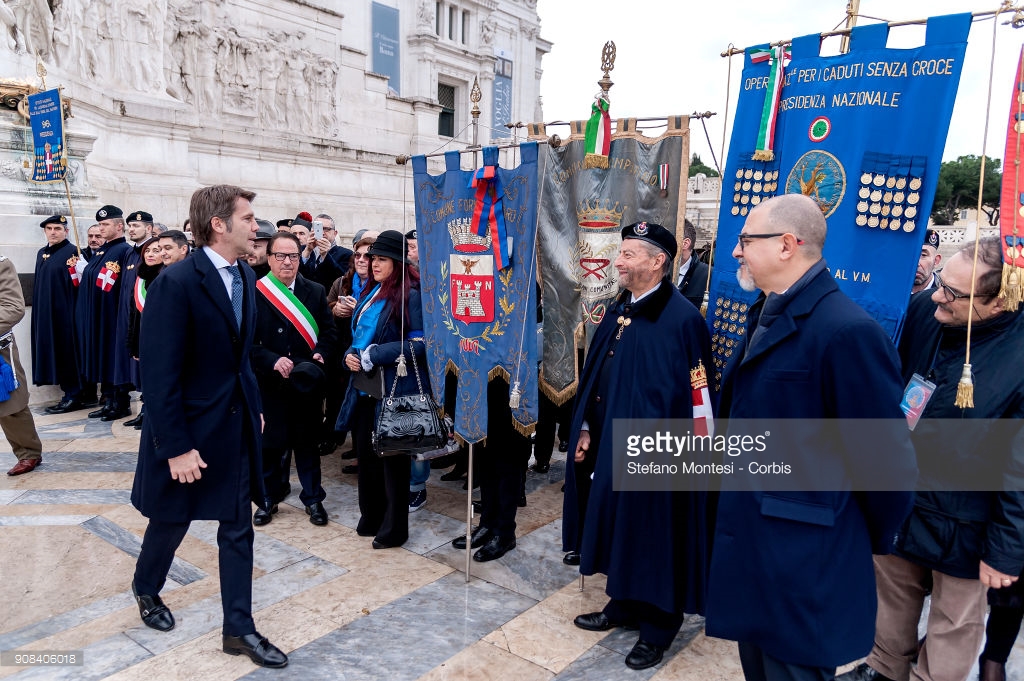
{"type": "Point", "coordinates": [53, 318]}
{"type": "Point", "coordinates": [96, 309]}
{"type": "Point", "coordinates": [645, 349]}
{"type": "Point", "coordinates": [926, 277]}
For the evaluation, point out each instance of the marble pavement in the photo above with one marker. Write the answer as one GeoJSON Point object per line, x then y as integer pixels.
{"type": "Point", "coordinates": [340, 609]}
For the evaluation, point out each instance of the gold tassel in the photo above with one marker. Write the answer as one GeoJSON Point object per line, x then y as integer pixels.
{"type": "Point", "coordinates": [965, 390]}
{"type": "Point", "coordinates": [1013, 287]}
{"type": "Point", "coordinates": [595, 161]}
{"type": "Point", "coordinates": [764, 155]}
{"type": "Point", "coordinates": [513, 398]}
{"type": "Point", "coordinates": [401, 370]}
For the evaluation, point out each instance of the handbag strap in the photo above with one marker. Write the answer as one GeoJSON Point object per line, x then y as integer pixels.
{"type": "Point", "coordinates": [415, 370]}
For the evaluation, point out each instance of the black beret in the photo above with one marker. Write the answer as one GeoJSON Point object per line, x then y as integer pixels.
{"type": "Point", "coordinates": [286, 222]}
{"type": "Point", "coordinates": [265, 231]}
{"type": "Point", "coordinates": [411, 234]}
{"type": "Point", "coordinates": [931, 238]}
{"type": "Point", "coordinates": [653, 234]}
{"type": "Point", "coordinates": [140, 216]}
{"type": "Point", "coordinates": [108, 212]}
{"type": "Point", "coordinates": [54, 218]}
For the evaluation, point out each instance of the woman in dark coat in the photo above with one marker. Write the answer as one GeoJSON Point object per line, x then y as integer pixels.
{"type": "Point", "coordinates": [387, 322]}
{"type": "Point", "coordinates": [149, 268]}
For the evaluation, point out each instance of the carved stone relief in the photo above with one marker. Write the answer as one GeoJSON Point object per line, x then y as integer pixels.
{"type": "Point", "coordinates": [194, 51]}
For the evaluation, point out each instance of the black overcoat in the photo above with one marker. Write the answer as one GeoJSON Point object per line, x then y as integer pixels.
{"type": "Point", "coordinates": [96, 314]}
{"type": "Point", "coordinates": [53, 318]}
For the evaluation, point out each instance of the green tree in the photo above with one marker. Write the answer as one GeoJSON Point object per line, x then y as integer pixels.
{"type": "Point", "coordinates": [697, 166]}
{"type": "Point", "coordinates": [958, 189]}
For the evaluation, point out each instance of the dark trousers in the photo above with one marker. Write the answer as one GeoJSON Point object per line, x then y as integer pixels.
{"type": "Point", "coordinates": [656, 626]}
{"type": "Point", "coordinates": [760, 666]}
{"type": "Point", "coordinates": [234, 543]}
{"type": "Point", "coordinates": [117, 394]}
{"type": "Point", "coordinates": [276, 465]}
{"type": "Point", "coordinates": [1004, 619]}
{"type": "Point", "coordinates": [501, 463]}
{"type": "Point", "coordinates": [383, 483]}
{"type": "Point", "coordinates": [548, 416]}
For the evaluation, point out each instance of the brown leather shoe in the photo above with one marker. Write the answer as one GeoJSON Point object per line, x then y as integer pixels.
{"type": "Point", "coordinates": [24, 466]}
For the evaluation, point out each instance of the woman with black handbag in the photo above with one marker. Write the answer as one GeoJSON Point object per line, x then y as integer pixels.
{"type": "Point", "coordinates": [387, 351]}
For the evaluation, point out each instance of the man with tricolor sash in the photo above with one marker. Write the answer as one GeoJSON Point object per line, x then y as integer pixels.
{"type": "Point", "coordinates": [295, 334]}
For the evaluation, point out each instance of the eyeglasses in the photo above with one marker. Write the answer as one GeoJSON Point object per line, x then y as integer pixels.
{"type": "Point", "coordinates": [745, 239]}
{"type": "Point", "coordinates": [281, 257]}
{"type": "Point", "coordinates": [951, 294]}
{"type": "Point", "coordinates": [360, 256]}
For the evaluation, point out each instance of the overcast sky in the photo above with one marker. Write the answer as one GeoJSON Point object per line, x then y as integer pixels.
{"type": "Point", "coordinates": [668, 57]}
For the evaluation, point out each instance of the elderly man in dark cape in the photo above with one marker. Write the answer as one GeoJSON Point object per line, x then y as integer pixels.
{"type": "Point", "coordinates": [646, 354]}
{"type": "Point", "coordinates": [53, 319]}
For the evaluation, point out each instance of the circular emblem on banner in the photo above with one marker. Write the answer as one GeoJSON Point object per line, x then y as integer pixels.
{"type": "Point", "coordinates": [819, 175]}
{"type": "Point", "coordinates": [820, 128]}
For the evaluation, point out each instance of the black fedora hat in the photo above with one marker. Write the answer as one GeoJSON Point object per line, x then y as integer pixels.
{"type": "Point", "coordinates": [389, 244]}
{"type": "Point", "coordinates": [307, 377]}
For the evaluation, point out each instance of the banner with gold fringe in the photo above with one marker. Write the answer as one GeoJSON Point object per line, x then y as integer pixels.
{"type": "Point", "coordinates": [582, 211]}
{"type": "Point", "coordinates": [1011, 204]}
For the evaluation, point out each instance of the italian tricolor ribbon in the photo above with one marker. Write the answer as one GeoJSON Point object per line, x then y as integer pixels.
{"type": "Point", "coordinates": [770, 110]}
{"type": "Point", "coordinates": [488, 215]}
{"type": "Point", "coordinates": [285, 302]}
{"type": "Point", "coordinates": [140, 294]}
{"type": "Point", "coordinates": [599, 135]}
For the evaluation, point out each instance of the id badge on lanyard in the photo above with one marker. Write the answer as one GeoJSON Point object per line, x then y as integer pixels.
{"type": "Point", "coordinates": [915, 398]}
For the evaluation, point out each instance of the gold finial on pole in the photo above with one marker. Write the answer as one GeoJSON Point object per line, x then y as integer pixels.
{"type": "Point", "coordinates": [475, 95]}
{"type": "Point", "coordinates": [607, 64]}
{"type": "Point", "coordinates": [41, 71]}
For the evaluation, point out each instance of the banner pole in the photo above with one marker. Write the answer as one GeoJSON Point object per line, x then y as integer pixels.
{"type": "Point", "coordinates": [469, 511]}
{"type": "Point", "coordinates": [71, 209]}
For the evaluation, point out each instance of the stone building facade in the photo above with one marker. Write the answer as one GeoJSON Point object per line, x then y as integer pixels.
{"type": "Point", "coordinates": [306, 102]}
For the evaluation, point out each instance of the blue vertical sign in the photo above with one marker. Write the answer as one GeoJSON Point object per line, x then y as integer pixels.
{"type": "Point", "coordinates": [502, 95]}
{"type": "Point", "coordinates": [47, 119]}
{"type": "Point", "coordinates": [386, 49]}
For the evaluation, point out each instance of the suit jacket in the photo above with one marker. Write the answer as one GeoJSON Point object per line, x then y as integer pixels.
{"type": "Point", "coordinates": [292, 418]}
{"type": "Point", "coordinates": [792, 571]}
{"type": "Point", "coordinates": [201, 394]}
{"type": "Point", "coordinates": [695, 282]}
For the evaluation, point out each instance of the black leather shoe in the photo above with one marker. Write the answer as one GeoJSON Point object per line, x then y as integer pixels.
{"type": "Point", "coordinates": [571, 558]}
{"type": "Point", "coordinates": [317, 514]}
{"type": "Point", "coordinates": [102, 411]}
{"type": "Point", "coordinates": [540, 468]}
{"type": "Point", "coordinates": [327, 448]}
{"type": "Point", "coordinates": [66, 405]}
{"type": "Point", "coordinates": [258, 648]}
{"type": "Point", "coordinates": [594, 621]}
{"type": "Point", "coordinates": [154, 613]}
{"type": "Point", "coordinates": [381, 545]}
{"type": "Point", "coordinates": [644, 655]}
{"type": "Point", "coordinates": [563, 446]}
{"type": "Point", "coordinates": [138, 426]}
{"type": "Point", "coordinates": [349, 454]}
{"type": "Point", "coordinates": [116, 413]}
{"type": "Point", "coordinates": [862, 672]}
{"type": "Point", "coordinates": [494, 549]}
{"type": "Point", "coordinates": [351, 469]}
{"type": "Point", "coordinates": [261, 517]}
{"type": "Point", "coordinates": [131, 423]}
{"type": "Point", "coordinates": [480, 536]}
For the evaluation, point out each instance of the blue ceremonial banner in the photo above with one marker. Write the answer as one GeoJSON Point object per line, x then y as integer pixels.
{"type": "Point", "coordinates": [502, 99]}
{"type": "Point", "coordinates": [47, 119]}
{"type": "Point", "coordinates": [477, 238]}
{"type": "Point", "coordinates": [862, 134]}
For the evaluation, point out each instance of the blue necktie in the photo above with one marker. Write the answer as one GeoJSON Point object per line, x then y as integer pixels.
{"type": "Point", "coordinates": [236, 293]}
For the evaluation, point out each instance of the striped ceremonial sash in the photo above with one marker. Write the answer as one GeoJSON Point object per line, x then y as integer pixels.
{"type": "Point", "coordinates": [285, 302]}
{"type": "Point", "coordinates": [140, 294]}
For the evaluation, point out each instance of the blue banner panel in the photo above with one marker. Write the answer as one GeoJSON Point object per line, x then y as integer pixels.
{"type": "Point", "coordinates": [44, 110]}
{"type": "Point", "coordinates": [477, 238]}
{"type": "Point", "coordinates": [860, 133]}
{"type": "Point", "coordinates": [502, 98]}
{"type": "Point", "coordinates": [387, 51]}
